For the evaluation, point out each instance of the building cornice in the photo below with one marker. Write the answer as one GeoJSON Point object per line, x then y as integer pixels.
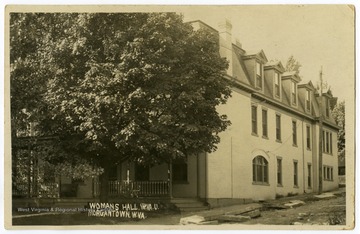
{"type": "Point", "coordinates": [256, 94]}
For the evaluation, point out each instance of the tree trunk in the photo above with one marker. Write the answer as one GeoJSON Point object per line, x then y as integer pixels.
{"type": "Point", "coordinates": [104, 180]}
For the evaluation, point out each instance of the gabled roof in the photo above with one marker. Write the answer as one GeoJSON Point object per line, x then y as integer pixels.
{"type": "Point", "coordinates": [307, 84]}
{"type": "Point", "coordinates": [289, 73]}
{"type": "Point", "coordinates": [292, 74]}
{"type": "Point", "coordinates": [310, 84]}
{"type": "Point", "coordinates": [275, 64]}
{"type": "Point", "coordinates": [259, 54]}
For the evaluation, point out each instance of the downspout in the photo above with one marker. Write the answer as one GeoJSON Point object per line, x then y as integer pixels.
{"type": "Point", "coordinates": [275, 172]}
{"type": "Point", "coordinates": [314, 154]}
{"type": "Point", "coordinates": [303, 152]}
{"type": "Point", "coordinates": [320, 166]}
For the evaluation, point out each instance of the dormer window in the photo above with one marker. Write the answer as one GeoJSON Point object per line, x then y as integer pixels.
{"type": "Point", "coordinates": [293, 93]}
{"type": "Point", "coordinates": [259, 72]}
{"type": "Point", "coordinates": [307, 101]}
{"type": "Point", "coordinates": [277, 84]}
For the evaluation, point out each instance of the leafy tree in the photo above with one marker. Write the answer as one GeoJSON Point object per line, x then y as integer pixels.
{"type": "Point", "coordinates": [338, 114]}
{"type": "Point", "coordinates": [31, 69]}
{"type": "Point", "coordinates": [292, 65]}
{"type": "Point", "coordinates": [136, 86]}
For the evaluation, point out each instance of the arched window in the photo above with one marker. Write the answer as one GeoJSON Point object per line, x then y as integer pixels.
{"type": "Point", "coordinates": [260, 170]}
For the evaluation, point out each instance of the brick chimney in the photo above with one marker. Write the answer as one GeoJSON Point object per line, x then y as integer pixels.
{"type": "Point", "coordinates": [225, 42]}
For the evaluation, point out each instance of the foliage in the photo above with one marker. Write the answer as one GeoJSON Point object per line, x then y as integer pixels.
{"type": "Point", "coordinates": [111, 87]}
{"type": "Point", "coordinates": [338, 114]}
{"type": "Point", "coordinates": [78, 171]}
{"type": "Point", "coordinates": [292, 65]}
{"type": "Point", "coordinates": [27, 79]}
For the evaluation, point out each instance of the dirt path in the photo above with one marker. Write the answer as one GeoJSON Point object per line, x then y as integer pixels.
{"type": "Point", "coordinates": [322, 212]}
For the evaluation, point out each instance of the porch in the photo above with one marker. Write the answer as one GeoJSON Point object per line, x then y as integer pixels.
{"type": "Point", "coordinates": [184, 179]}
{"type": "Point", "coordinates": [127, 189]}
{"type": "Point", "coordinates": [158, 188]}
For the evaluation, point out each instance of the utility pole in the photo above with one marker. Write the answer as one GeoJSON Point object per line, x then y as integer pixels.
{"type": "Point", "coordinates": [320, 135]}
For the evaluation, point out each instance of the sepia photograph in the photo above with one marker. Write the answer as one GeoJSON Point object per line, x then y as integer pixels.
{"type": "Point", "coordinates": [180, 117]}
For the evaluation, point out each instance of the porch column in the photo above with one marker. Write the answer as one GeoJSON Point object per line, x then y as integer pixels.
{"type": "Point", "coordinates": [128, 172]}
{"type": "Point", "coordinates": [170, 178]}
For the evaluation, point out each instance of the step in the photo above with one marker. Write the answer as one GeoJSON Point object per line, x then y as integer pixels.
{"type": "Point", "coordinates": [193, 209]}
{"type": "Point", "coordinates": [189, 204]}
{"type": "Point", "coordinates": [184, 200]}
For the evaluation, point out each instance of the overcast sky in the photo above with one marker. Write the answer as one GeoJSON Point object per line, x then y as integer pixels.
{"type": "Point", "coordinates": [315, 35]}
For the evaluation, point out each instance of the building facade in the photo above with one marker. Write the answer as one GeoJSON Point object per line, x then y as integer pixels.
{"type": "Point", "coordinates": [272, 147]}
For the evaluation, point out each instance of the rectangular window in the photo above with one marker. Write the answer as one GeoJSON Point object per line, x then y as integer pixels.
{"type": "Point", "coordinates": [330, 143]}
{"type": "Point", "coordinates": [277, 84]}
{"type": "Point", "coordinates": [279, 171]}
{"type": "Point", "coordinates": [258, 69]}
{"type": "Point", "coordinates": [308, 138]}
{"type": "Point", "coordinates": [308, 100]}
{"type": "Point", "coordinates": [294, 133]}
{"type": "Point", "coordinates": [278, 127]}
{"type": "Point", "coordinates": [293, 93]}
{"type": "Point", "coordinates": [309, 175]}
{"type": "Point", "coordinates": [254, 119]}
{"type": "Point", "coordinates": [323, 141]}
{"type": "Point", "coordinates": [328, 173]}
{"type": "Point", "coordinates": [258, 75]}
{"type": "Point", "coordinates": [295, 173]}
{"type": "Point", "coordinates": [264, 123]}
{"type": "Point", "coordinates": [327, 142]}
